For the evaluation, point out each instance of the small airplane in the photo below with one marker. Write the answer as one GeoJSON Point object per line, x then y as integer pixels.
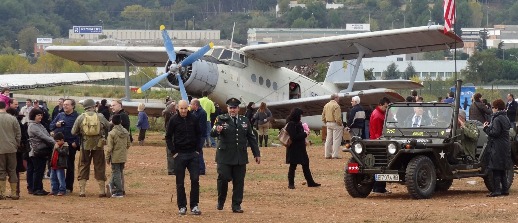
{"type": "Point", "coordinates": [257, 73]}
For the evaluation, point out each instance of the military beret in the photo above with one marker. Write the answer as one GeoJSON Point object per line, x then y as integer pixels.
{"type": "Point", "coordinates": [233, 102]}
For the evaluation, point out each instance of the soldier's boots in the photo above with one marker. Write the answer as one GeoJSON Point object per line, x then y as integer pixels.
{"type": "Point", "coordinates": [102, 188]}
{"type": "Point", "coordinates": [2, 189]}
{"type": "Point", "coordinates": [260, 141]}
{"type": "Point", "coordinates": [14, 195]}
{"type": "Point", "coordinates": [266, 141]}
{"type": "Point", "coordinates": [82, 188]}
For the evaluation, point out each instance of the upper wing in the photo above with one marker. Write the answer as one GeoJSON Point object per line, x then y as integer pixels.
{"type": "Point", "coordinates": [393, 84]}
{"type": "Point", "coordinates": [114, 55]}
{"type": "Point", "coordinates": [336, 48]}
{"type": "Point", "coordinates": [314, 105]}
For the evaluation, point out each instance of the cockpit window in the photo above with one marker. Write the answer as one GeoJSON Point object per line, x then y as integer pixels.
{"type": "Point", "coordinates": [227, 54]}
{"type": "Point", "coordinates": [216, 52]}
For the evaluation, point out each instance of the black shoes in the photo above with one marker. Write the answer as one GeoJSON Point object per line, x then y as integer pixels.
{"type": "Point", "coordinates": [238, 210]}
{"type": "Point", "coordinates": [314, 184]}
{"type": "Point", "coordinates": [492, 194]}
{"type": "Point", "coordinates": [40, 193]}
{"type": "Point", "coordinates": [291, 186]}
{"type": "Point", "coordinates": [219, 206]}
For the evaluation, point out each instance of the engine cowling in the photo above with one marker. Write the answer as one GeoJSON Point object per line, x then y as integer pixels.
{"type": "Point", "coordinates": [198, 77]}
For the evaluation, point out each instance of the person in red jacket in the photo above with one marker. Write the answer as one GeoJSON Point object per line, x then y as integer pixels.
{"type": "Point", "coordinates": [378, 118]}
{"type": "Point", "coordinates": [375, 130]}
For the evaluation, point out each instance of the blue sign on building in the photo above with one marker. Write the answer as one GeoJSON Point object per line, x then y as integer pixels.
{"type": "Point", "coordinates": [88, 29]}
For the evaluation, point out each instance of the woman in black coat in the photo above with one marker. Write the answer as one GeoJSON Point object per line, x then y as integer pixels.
{"type": "Point", "coordinates": [296, 152]}
{"type": "Point", "coordinates": [498, 148]}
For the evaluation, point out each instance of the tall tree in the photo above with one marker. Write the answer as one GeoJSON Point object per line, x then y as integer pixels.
{"type": "Point", "coordinates": [391, 72]}
{"type": "Point", "coordinates": [409, 71]}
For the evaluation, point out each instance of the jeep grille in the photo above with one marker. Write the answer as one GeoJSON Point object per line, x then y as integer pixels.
{"type": "Point", "coordinates": [379, 154]}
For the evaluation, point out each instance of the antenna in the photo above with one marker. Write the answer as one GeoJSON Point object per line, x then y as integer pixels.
{"type": "Point", "coordinates": [232, 38]}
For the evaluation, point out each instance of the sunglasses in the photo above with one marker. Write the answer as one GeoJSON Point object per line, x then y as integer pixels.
{"type": "Point", "coordinates": [232, 107]}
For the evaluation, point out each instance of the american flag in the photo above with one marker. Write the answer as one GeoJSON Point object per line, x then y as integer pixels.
{"type": "Point", "coordinates": [449, 15]}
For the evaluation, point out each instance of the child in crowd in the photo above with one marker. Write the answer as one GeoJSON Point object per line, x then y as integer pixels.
{"type": "Point", "coordinates": [58, 164]}
{"type": "Point", "coordinates": [116, 155]}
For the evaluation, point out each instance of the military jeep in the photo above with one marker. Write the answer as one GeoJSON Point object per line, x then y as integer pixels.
{"type": "Point", "coordinates": [425, 155]}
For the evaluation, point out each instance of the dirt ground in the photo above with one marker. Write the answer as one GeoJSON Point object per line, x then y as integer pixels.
{"type": "Point", "coordinates": [151, 196]}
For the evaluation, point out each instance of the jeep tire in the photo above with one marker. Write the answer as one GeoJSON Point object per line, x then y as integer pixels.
{"type": "Point", "coordinates": [420, 177]}
{"type": "Point", "coordinates": [358, 185]}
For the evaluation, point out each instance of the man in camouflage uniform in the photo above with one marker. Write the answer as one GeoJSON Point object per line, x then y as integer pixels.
{"type": "Point", "coordinates": [235, 133]}
{"type": "Point", "coordinates": [91, 149]}
{"type": "Point", "coordinates": [469, 135]}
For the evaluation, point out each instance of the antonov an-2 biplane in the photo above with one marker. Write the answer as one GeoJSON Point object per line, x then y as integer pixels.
{"type": "Point", "coordinates": [257, 73]}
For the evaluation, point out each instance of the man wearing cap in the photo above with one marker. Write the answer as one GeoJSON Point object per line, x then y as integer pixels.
{"type": "Point", "coordinates": [235, 133]}
{"type": "Point", "coordinates": [91, 149]}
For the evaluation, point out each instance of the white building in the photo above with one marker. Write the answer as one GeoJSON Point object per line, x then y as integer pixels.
{"type": "Point", "coordinates": [432, 69]}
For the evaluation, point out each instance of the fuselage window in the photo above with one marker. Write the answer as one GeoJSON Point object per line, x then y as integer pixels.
{"type": "Point", "coordinates": [274, 86]}
{"type": "Point", "coordinates": [216, 53]}
{"type": "Point", "coordinates": [268, 83]}
{"type": "Point", "coordinates": [254, 78]}
{"type": "Point", "coordinates": [261, 80]}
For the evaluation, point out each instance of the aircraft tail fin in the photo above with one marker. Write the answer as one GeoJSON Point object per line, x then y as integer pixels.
{"type": "Point", "coordinates": [341, 72]}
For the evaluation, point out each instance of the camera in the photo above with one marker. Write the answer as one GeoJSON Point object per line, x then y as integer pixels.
{"type": "Point", "coordinates": [62, 122]}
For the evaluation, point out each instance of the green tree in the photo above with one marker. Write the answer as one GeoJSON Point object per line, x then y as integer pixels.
{"type": "Point", "coordinates": [391, 72]}
{"type": "Point", "coordinates": [369, 74]}
{"type": "Point", "coordinates": [409, 71]}
{"type": "Point", "coordinates": [27, 38]}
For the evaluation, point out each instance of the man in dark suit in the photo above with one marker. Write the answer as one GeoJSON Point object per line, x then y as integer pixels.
{"type": "Point", "coordinates": [420, 118]}
{"type": "Point", "coordinates": [235, 133]}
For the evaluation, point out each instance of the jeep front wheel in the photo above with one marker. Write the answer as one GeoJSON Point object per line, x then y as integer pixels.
{"type": "Point", "coordinates": [420, 177]}
{"type": "Point", "coordinates": [358, 185]}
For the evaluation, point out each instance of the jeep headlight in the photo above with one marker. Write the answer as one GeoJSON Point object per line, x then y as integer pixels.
{"type": "Point", "coordinates": [358, 148]}
{"type": "Point", "coordinates": [391, 148]}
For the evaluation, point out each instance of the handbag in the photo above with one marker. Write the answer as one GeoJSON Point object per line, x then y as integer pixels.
{"type": "Point", "coordinates": [284, 137]}
{"type": "Point", "coordinates": [487, 118]}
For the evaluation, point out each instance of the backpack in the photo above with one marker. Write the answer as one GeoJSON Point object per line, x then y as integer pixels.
{"type": "Point", "coordinates": [91, 125]}
{"type": "Point", "coordinates": [284, 137]}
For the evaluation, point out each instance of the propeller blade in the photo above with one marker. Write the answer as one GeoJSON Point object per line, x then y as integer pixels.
{"type": "Point", "coordinates": [182, 88]}
{"type": "Point", "coordinates": [197, 55]}
{"type": "Point", "coordinates": [152, 83]}
{"type": "Point", "coordinates": [168, 44]}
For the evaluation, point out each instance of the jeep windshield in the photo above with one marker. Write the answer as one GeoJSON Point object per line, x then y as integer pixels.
{"type": "Point", "coordinates": [419, 116]}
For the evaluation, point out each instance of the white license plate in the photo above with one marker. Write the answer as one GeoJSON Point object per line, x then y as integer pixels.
{"type": "Point", "coordinates": [386, 177]}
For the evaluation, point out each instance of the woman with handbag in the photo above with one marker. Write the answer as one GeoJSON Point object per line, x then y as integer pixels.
{"type": "Point", "coordinates": [478, 110]}
{"type": "Point", "coordinates": [41, 147]}
{"type": "Point", "coordinates": [263, 117]}
{"type": "Point", "coordinates": [296, 152]}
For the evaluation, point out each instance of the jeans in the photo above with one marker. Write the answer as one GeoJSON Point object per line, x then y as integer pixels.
{"type": "Point", "coordinates": [200, 157]}
{"type": "Point", "coordinates": [39, 169]}
{"type": "Point", "coordinates": [209, 138]}
{"type": "Point", "coordinates": [30, 175]}
{"type": "Point", "coordinates": [116, 179]}
{"type": "Point", "coordinates": [69, 177]}
{"type": "Point", "coordinates": [189, 161]}
{"type": "Point", "coordinates": [57, 181]}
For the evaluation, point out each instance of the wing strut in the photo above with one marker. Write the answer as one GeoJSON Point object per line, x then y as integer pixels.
{"type": "Point", "coordinates": [361, 52]}
{"type": "Point", "coordinates": [127, 63]}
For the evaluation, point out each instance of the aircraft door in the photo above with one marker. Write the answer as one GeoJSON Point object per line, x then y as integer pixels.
{"type": "Point", "coordinates": [294, 90]}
